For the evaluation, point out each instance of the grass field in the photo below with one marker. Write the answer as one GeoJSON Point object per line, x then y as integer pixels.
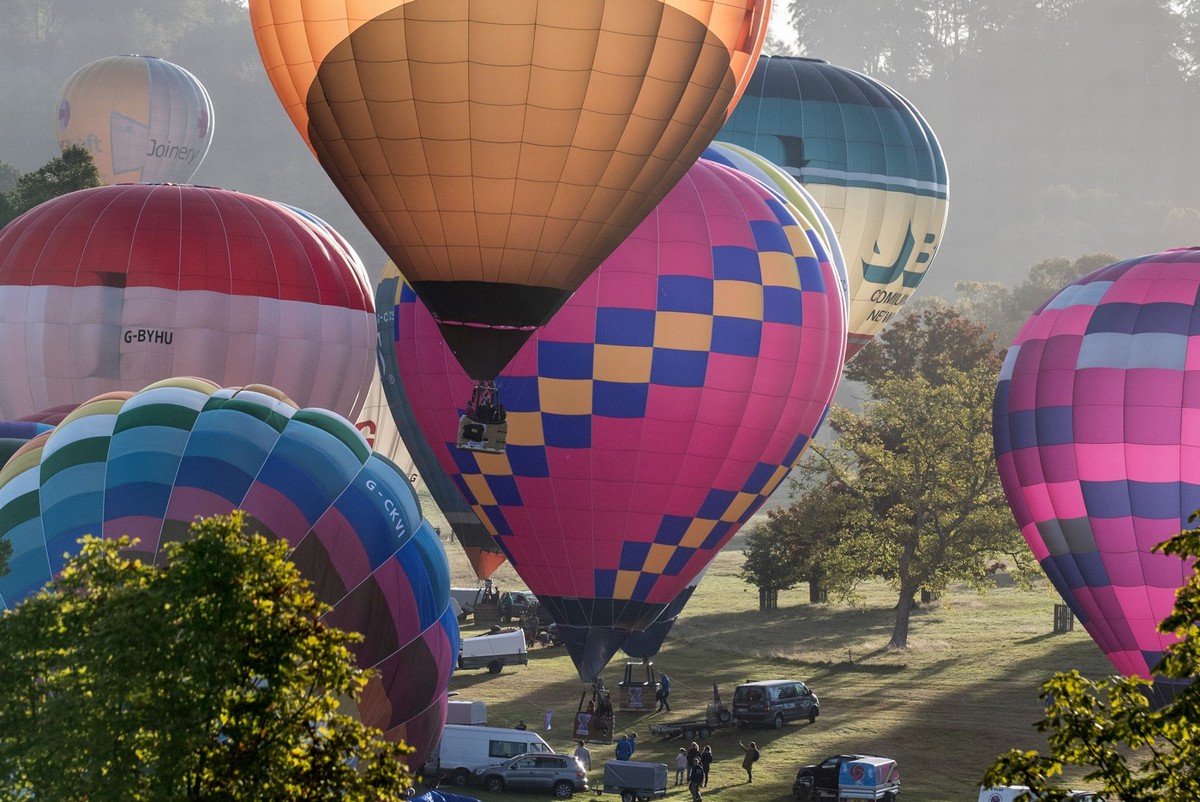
{"type": "Point", "coordinates": [965, 691]}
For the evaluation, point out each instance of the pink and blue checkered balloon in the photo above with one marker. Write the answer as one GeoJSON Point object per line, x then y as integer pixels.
{"type": "Point", "coordinates": [655, 412]}
{"type": "Point", "coordinates": [1097, 437]}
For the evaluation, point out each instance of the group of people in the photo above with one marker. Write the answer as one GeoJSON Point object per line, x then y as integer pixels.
{"type": "Point", "coordinates": [692, 765]}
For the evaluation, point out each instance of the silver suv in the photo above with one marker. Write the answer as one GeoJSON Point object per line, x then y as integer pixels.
{"type": "Point", "coordinates": [535, 771]}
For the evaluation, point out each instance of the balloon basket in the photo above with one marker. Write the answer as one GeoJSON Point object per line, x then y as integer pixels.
{"type": "Point", "coordinates": [484, 426]}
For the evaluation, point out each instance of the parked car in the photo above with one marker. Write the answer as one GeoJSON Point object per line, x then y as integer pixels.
{"type": "Point", "coordinates": [774, 702]}
{"type": "Point", "coordinates": [834, 778]}
{"type": "Point", "coordinates": [535, 771]}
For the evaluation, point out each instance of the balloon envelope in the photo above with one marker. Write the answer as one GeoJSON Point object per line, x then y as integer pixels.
{"type": "Point", "coordinates": [147, 464]}
{"type": "Point", "coordinates": [1095, 435]}
{"type": "Point", "coordinates": [113, 288]}
{"type": "Point", "coordinates": [810, 214]}
{"type": "Point", "coordinates": [499, 152]}
{"type": "Point", "coordinates": [654, 414]}
{"type": "Point", "coordinates": [476, 541]}
{"type": "Point", "coordinates": [141, 118]}
{"type": "Point", "coordinates": [872, 163]}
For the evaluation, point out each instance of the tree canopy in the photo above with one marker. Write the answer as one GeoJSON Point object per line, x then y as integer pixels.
{"type": "Point", "coordinates": [908, 489]}
{"type": "Point", "coordinates": [1135, 745]}
{"type": "Point", "coordinates": [71, 171]}
{"type": "Point", "coordinates": [210, 677]}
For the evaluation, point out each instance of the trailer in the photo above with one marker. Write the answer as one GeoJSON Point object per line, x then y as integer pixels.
{"type": "Point", "coordinates": [716, 717]}
{"type": "Point", "coordinates": [493, 650]}
{"type": "Point", "coordinates": [634, 781]}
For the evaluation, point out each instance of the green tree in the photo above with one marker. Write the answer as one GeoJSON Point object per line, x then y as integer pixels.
{"type": "Point", "coordinates": [71, 171]}
{"type": "Point", "coordinates": [927, 506]}
{"type": "Point", "coordinates": [1003, 310]}
{"type": "Point", "coordinates": [1137, 751]}
{"type": "Point", "coordinates": [926, 341]}
{"type": "Point", "coordinates": [211, 678]}
{"type": "Point", "coordinates": [769, 565]}
{"type": "Point", "coordinates": [798, 543]}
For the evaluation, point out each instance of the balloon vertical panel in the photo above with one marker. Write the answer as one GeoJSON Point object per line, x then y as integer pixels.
{"type": "Point", "coordinates": [1097, 426]}
{"type": "Point", "coordinates": [871, 161]}
{"type": "Point", "coordinates": [655, 413]}
{"type": "Point", "coordinates": [499, 152]}
{"type": "Point", "coordinates": [147, 464]}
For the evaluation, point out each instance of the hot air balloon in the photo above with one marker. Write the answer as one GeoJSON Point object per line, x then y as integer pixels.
{"type": "Point", "coordinates": [1095, 439]}
{"type": "Point", "coordinates": [113, 288]}
{"type": "Point", "coordinates": [141, 118]}
{"type": "Point", "coordinates": [14, 434]}
{"type": "Point", "coordinates": [379, 430]}
{"type": "Point", "coordinates": [655, 413]}
{"type": "Point", "coordinates": [872, 163]}
{"type": "Point", "coordinates": [482, 551]}
{"type": "Point", "coordinates": [645, 644]}
{"type": "Point", "coordinates": [146, 464]}
{"type": "Point", "coordinates": [804, 205]}
{"type": "Point", "coordinates": [499, 152]}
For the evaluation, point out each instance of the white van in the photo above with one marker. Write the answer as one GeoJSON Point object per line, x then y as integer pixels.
{"type": "Point", "coordinates": [466, 747]}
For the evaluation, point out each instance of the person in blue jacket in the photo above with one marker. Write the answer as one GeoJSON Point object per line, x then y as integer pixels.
{"type": "Point", "coordinates": [664, 691]}
{"type": "Point", "coordinates": [626, 746]}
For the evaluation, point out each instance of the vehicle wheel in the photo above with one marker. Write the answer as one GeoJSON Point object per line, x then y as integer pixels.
{"type": "Point", "coordinates": [460, 777]}
{"type": "Point", "coordinates": [724, 716]}
{"type": "Point", "coordinates": [778, 721]}
{"type": "Point", "coordinates": [704, 732]}
{"type": "Point", "coordinates": [688, 734]}
{"type": "Point", "coordinates": [889, 797]}
{"type": "Point", "coordinates": [813, 712]}
{"type": "Point", "coordinates": [495, 666]}
{"type": "Point", "coordinates": [803, 790]}
{"type": "Point", "coordinates": [563, 789]}
{"type": "Point", "coordinates": [628, 796]}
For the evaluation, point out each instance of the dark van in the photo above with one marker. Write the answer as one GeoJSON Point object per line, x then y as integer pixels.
{"type": "Point", "coordinates": [774, 701]}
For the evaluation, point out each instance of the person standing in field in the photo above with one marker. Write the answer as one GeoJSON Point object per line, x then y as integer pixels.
{"type": "Point", "coordinates": [583, 756]}
{"type": "Point", "coordinates": [695, 780]}
{"type": "Point", "coordinates": [681, 766]}
{"type": "Point", "coordinates": [706, 759]}
{"type": "Point", "coordinates": [752, 755]}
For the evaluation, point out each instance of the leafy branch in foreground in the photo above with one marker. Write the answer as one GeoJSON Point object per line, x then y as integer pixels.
{"type": "Point", "coordinates": [1135, 750]}
{"type": "Point", "coordinates": [210, 677]}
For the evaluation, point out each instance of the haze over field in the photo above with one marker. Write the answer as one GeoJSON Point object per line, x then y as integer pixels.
{"type": "Point", "coordinates": [1066, 126]}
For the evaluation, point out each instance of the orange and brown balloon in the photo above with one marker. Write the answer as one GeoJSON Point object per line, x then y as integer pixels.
{"type": "Point", "coordinates": [499, 151]}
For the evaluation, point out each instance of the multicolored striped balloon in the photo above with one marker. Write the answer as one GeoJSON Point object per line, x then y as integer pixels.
{"type": "Point", "coordinates": [146, 464]}
{"type": "Point", "coordinates": [113, 288]}
{"type": "Point", "coordinates": [656, 411]}
{"type": "Point", "coordinates": [871, 161]}
{"type": "Point", "coordinates": [1097, 430]}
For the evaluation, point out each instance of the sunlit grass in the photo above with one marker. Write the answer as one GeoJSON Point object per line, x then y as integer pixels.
{"type": "Point", "coordinates": [965, 691]}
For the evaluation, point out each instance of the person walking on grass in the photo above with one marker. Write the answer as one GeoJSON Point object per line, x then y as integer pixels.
{"type": "Point", "coordinates": [706, 759]}
{"type": "Point", "coordinates": [681, 766]}
{"type": "Point", "coordinates": [695, 779]}
{"type": "Point", "coordinates": [752, 755]}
